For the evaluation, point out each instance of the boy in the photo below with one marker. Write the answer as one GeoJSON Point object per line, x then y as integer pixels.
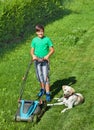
{"type": "Point", "coordinates": [41, 50]}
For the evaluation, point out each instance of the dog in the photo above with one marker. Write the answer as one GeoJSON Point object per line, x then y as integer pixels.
{"type": "Point", "coordinates": [69, 99]}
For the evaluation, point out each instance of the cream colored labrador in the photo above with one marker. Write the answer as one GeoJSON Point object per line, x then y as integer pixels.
{"type": "Point", "coordinates": [69, 99]}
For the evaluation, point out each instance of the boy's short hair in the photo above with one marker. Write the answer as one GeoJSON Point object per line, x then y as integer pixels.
{"type": "Point", "coordinates": [39, 27]}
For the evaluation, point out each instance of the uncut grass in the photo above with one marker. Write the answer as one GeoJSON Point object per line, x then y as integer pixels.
{"type": "Point", "coordinates": [70, 60]}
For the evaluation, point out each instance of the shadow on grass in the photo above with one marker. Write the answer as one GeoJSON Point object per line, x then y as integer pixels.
{"type": "Point", "coordinates": [29, 29]}
{"type": "Point", "coordinates": [57, 85]}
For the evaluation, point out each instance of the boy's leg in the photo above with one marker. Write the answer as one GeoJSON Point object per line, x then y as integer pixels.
{"type": "Point", "coordinates": [48, 97]}
{"type": "Point", "coordinates": [45, 70]}
{"type": "Point", "coordinates": [42, 71]}
{"type": "Point", "coordinates": [42, 90]}
{"type": "Point", "coordinates": [47, 88]}
{"type": "Point", "coordinates": [38, 69]}
{"type": "Point", "coordinates": [42, 85]}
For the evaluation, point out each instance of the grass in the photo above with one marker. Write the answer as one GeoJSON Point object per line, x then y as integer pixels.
{"type": "Point", "coordinates": [72, 63]}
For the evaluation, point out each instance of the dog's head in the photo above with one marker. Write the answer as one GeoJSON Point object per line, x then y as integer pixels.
{"type": "Point", "coordinates": [68, 91]}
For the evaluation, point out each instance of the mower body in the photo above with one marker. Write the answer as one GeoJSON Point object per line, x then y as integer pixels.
{"type": "Point", "coordinates": [28, 110]}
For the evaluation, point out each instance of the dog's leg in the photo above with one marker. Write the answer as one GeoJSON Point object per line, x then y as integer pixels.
{"type": "Point", "coordinates": [55, 104]}
{"type": "Point", "coordinates": [61, 99]}
{"type": "Point", "coordinates": [65, 110]}
{"type": "Point", "coordinates": [50, 105]}
{"type": "Point", "coordinates": [70, 105]}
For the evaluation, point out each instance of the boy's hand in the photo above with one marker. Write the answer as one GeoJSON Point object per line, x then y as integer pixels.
{"type": "Point", "coordinates": [46, 58]}
{"type": "Point", "coordinates": [34, 57]}
{"type": "Point", "coordinates": [49, 54]}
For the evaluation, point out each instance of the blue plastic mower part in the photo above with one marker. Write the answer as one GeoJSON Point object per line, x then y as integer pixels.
{"type": "Point", "coordinates": [27, 110]}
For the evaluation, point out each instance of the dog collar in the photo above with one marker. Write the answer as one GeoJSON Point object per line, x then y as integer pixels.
{"type": "Point", "coordinates": [68, 96]}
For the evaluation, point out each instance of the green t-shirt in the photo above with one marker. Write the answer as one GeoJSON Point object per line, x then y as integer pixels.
{"type": "Point", "coordinates": [41, 46]}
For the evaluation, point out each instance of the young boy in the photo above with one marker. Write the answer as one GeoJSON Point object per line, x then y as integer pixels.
{"type": "Point", "coordinates": [41, 50]}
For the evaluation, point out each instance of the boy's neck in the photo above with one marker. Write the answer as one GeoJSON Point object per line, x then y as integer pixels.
{"type": "Point", "coordinates": [41, 37]}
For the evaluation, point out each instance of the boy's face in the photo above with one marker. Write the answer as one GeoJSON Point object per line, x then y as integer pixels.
{"type": "Point", "coordinates": [40, 33]}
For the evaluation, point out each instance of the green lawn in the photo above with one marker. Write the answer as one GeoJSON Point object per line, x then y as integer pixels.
{"type": "Point", "coordinates": [72, 63]}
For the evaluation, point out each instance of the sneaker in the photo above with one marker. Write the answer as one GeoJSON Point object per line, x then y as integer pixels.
{"type": "Point", "coordinates": [41, 92]}
{"type": "Point", "coordinates": [48, 97]}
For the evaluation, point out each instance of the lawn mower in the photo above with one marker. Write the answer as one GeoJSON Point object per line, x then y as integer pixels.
{"type": "Point", "coordinates": [29, 110]}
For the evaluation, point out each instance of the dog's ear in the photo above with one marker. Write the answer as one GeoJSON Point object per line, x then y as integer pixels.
{"type": "Point", "coordinates": [72, 90]}
{"type": "Point", "coordinates": [63, 87]}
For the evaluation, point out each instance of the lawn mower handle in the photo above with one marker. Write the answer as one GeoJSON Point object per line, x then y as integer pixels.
{"type": "Point", "coordinates": [24, 79]}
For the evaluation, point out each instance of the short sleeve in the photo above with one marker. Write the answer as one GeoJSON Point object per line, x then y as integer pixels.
{"type": "Point", "coordinates": [50, 43]}
{"type": "Point", "coordinates": [32, 44]}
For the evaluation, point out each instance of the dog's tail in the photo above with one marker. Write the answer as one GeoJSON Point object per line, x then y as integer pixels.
{"type": "Point", "coordinates": [80, 98]}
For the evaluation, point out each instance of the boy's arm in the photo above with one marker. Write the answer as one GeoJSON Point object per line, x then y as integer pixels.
{"type": "Point", "coordinates": [51, 51]}
{"type": "Point", "coordinates": [32, 54]}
